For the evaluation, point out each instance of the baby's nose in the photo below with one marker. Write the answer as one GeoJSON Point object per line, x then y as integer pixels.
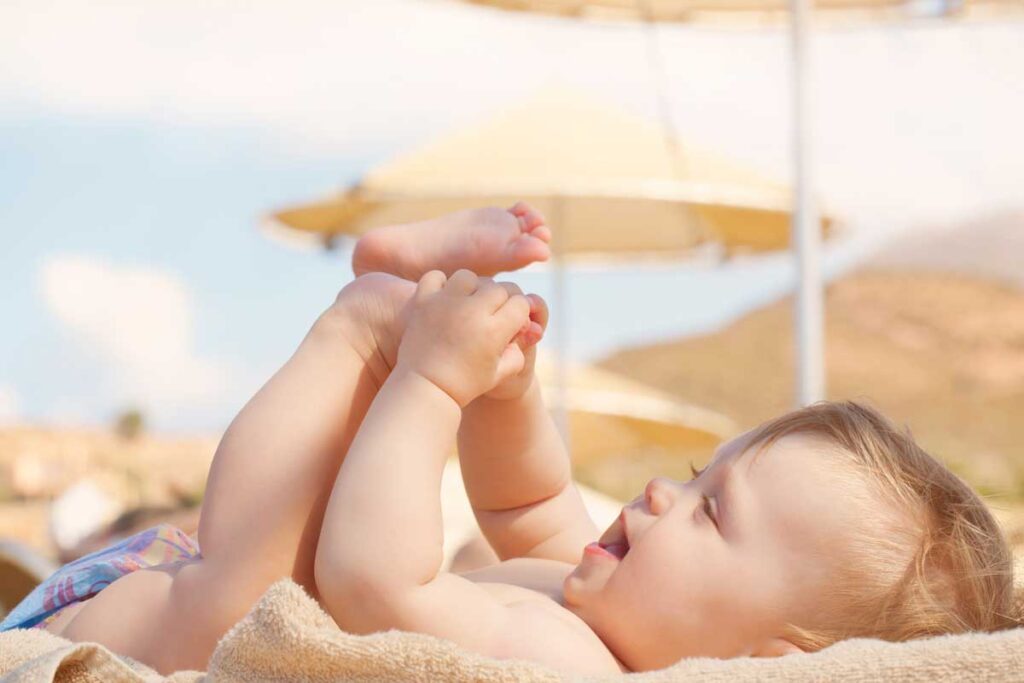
{"type": "Point", "coordinates": [660, 494]}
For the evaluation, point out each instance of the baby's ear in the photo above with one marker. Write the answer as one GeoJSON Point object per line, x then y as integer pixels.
{"type": "Point", "coordinates": [775, 647]}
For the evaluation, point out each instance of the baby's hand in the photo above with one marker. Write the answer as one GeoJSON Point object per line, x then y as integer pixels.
{"type": "Point", "coordinates": [527, 339]}
{"type": "Point", "coordinates": [460, 335]}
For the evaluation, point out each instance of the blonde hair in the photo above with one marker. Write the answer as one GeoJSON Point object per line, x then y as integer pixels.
{"type": "Point", "coordinates": [949, 570]}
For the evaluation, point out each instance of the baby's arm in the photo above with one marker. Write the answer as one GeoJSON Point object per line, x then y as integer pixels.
{"type": "Point", "coordinates": [517, 470]}
{"type": "Point", "coordinates": [379, 555]}
{"type": "Point", "coordinates": [519, 479]}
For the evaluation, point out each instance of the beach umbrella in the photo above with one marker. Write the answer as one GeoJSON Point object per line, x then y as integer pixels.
{"type": "Point", "coordinates": [607, 181]}
{"type": "Point", "coordinates": [809, 316]}
{"type": "Point", "coordinates": [610, 414]}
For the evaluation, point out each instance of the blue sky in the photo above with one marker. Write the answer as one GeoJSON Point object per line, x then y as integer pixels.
{"type": "Point", "coordinates": [177, 200]}
{"type": "Point", "coordinates": [137, 160]}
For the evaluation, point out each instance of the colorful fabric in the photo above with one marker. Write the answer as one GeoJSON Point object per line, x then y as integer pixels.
{"type": "Point", "coordinates": [88, 575]}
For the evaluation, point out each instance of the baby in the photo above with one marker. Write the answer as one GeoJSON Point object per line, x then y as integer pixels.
{"type": "Point", "coordinates": [823, 524]}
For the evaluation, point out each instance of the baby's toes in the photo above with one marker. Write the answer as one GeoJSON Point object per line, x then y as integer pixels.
{"type": "Point", "coordinates": [543, 233]}
{"type": "Point", "coordinates": [520, 208]}
{"type": "Point", "coordinates": [529, 217]}
{"type": "Point", "coordinates": [526, 249]}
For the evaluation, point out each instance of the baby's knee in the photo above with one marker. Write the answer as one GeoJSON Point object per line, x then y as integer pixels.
{"type": "Point", "coordinates": [365, 287]}
{"type": "Point", "coordinates": [360, 286]}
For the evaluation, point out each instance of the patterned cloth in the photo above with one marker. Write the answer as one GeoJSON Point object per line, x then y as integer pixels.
{"type": "Point", "coordinates": [88, 575]}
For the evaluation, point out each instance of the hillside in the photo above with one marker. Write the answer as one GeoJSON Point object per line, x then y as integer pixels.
{"type": "Point", "coordinates": [990, 247]}
{"type": "Point", "coordinates": [942, 353]}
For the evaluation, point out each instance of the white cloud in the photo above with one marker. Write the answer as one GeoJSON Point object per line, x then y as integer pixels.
{"type": "Point", "coordinates": [912, 123]}
{"type": "Point", "coordinates": [139, 321]}
{"type": "Point", "coordinates": [10, 405]}
{"type": "Point", "coordinates": [329, 72]}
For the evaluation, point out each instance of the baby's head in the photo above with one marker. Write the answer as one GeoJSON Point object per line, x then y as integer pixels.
{"type": "Point", "coordinates": [826, 523]}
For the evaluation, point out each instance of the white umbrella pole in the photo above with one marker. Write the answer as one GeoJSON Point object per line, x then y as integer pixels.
{"type": "Point", "coordinates": [806, 228]}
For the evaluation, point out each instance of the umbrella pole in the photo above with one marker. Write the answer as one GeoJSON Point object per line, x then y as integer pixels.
{"type": "Point", "coordinates": [561, 320]}
{"type": "Point", "coordinates": [806, 226]}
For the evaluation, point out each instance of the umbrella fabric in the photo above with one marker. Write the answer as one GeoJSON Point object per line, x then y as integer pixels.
{"type": "Point", "coordinates": [606, 181]}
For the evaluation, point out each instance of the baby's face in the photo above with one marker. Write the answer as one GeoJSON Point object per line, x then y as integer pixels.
{"type": "Point", "coordinates": [717, 566]}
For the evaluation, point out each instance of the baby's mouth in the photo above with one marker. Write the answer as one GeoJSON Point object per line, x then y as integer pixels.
{"type": "Point", "coordinates": [619, 550]}
{"type": "Point", "coordinates": [614, 541]}
{"type": "Point", "coordinates": [611, 551]}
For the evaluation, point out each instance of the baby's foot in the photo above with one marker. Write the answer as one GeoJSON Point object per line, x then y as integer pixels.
{"type": "Point", "coordinates": [485, 241]}
{"type": "Point", "coordinates": [371, 313]}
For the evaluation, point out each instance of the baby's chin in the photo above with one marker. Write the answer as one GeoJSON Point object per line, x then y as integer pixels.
{"type": "Point", "coordinates": [588, 579]}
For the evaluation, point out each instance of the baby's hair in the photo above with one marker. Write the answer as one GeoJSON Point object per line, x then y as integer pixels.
{"type": "Point", "coordinates": [940, 565]}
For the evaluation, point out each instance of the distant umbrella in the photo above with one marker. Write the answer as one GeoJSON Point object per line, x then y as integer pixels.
{"type": "Point", "coordinates": [610, 414]}
{"type": "Point", "coordinates": [606, 180]}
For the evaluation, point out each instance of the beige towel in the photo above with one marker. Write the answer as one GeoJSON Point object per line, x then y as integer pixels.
{"type": "Point", "coordinates": [288, 637]}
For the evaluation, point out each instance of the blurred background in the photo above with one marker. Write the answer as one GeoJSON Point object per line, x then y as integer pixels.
{"type": "Point", "coordinates": [176, 181]}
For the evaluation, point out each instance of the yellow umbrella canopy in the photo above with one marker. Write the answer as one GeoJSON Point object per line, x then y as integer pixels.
{"type": "Point", "coordinates": [606, 180]}
{"type": "Point", "coordinates": [609, 414]}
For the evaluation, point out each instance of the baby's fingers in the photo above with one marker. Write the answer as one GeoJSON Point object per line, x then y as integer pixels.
{"type": "Point", "coordinates": [494, 294]}
{"type": "Point", "coordinates": [538, 311]}
{"type": "Point", "coordinates": [462, 282]}
{"type": "Point", "coordinates": [530, 335]}
{"type": "Point", "coordinates": [533, 329]}
{"type": "Point", "coordinates": [431, 283]}
{"type": "Point", "coordinates": [513, 316]}
{"type": "Point", "coordinates": [510, 364]}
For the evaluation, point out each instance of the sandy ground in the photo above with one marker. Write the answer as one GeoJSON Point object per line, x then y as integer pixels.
{"type": "Point", "coordinates": [36, 465]}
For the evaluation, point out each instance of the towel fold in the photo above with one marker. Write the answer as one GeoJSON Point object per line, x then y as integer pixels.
{"type": "Point", "coordinates": [288, 637]}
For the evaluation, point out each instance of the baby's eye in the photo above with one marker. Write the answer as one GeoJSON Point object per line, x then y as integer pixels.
{"type": "Point", "coordinates": [708, 510]}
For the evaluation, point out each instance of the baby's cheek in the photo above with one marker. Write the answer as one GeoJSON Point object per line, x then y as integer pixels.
{"type": "Point", "coordinates": [656, 598]}
{"type": "Point", "coordinates": [676, 572]}
{"type": "Point", "coordinates": [652, 570]}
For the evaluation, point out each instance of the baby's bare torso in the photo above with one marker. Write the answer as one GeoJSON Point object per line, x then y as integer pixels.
{"type": "Point", "coordinates": [535, 586]}
{"type": "Point", "coordinates": [532, 587]}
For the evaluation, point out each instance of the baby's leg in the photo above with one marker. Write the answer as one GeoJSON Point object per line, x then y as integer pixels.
{"type": "Point", "coordinates": [276, 465]}
{"type": "Point", "coordinates": [268, 487]}
{"type": "Point", "coordinates": [272, 474]}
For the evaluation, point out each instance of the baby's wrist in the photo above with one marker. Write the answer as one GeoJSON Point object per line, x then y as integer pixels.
{"type": "Point", "coordinates": [522, 386]}
{"type": "Point", "coordinates": [409, 376]}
